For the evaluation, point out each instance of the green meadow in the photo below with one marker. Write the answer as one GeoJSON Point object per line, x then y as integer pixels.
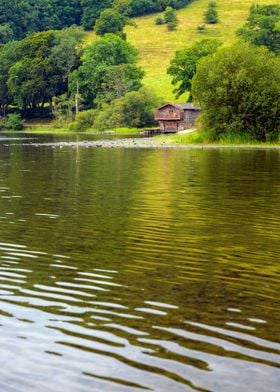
{"type": "Point", "coordinates": [157, 46]}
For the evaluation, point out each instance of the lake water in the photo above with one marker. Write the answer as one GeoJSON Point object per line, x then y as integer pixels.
{"type": "Point", "coordinates": [139, 269]}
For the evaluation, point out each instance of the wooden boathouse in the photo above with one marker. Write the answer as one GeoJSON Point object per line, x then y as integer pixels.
{"type": "Point", "coordinates": [174, 117]}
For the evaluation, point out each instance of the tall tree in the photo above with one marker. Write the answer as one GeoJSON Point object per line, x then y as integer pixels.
{"type": "Point", "coordinates": [263, 27]}
{"type": "Point", "coordinates": [183, 67]}
{"type": "Point", "coordinates": [238, 89]}
{"type": "Point", "coordinates": [110, 21]}
{"type": "Point", "coordinates": [105, 65]}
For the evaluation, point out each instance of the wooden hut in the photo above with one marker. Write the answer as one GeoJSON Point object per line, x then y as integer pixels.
{"type": "Point", "coordinates": [174, 117]}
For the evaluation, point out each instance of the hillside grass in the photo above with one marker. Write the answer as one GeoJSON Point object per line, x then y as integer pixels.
{"type": "Point", "coordinates": [157, 46]}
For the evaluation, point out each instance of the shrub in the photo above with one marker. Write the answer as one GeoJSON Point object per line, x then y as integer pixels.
{"type": "Point", "coordinates": [84, 120]}
{"type": "Point", "coordinates": [135, 109]}
{"type": "Point", "coordinates": [159, 21]}
{"type": "Point", "coordinates": [171, 26]}
{"type": "Point", "coordinates": [170, 18]}
{"type": "Point", "coordinates": [211, 14]}
{"type": "Point", "coordinates": [13, 121]}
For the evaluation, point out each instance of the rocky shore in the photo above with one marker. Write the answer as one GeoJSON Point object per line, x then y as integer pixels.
{"type": "Point", "coordinates": [146, 142]}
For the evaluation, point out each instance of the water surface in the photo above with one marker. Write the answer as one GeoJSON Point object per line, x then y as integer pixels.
{"type": "Point", "coordinates": [126, 269]}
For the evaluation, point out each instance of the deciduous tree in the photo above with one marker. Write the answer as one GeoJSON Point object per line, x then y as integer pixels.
{"type": "Point", "coordinates": [183, 66]}
{"type": "Point", "coordinates": [108, 69]}
{"type": "Point", "coordinates": [263, 27]}
{"type": "Point", "coordinates": [238, 89]}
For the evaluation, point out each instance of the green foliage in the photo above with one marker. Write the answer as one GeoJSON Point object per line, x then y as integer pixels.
{"type": "Point", "coordinates": [123, 7]}
{"type": "Point", "coordinates": [183, 67]}
{"type": "Point", "coordinates": [238, 89]}
{"type": "Point", "coordinates": [108, 71]}
{"type": "Point", "coordinates": [19, 18]}
{"type": "Point", "coordinates": [92, 10]}
{"type": "Point", "coordinates": [6, 33]}
{"type": "Point", "coordinates": [27, 16]}
{"type": "Point", "coordinates": [236, 138]}
{"type": "Point", "coordinates": [63, 107]}
{"type": "Point", "coordinates": [142, 7]}
{"type": "Point", "coordinates": [135, 109]}
{"type": "Point", "coordinates": [37, 68]}
{"type": "Point", "coordinates": [159, 20]}
{"type": "Point", "coordinates": [110, 21]}
{"type": "Point", "coordinates": [67, 50]}
{"type": "Point", "coordinates": [13, 122]}
{"type": "Point", "coordinates": [263, 27]}
{"type": "Point", "coordinates": [196, 137]}
{"type": "Point", "coordinates": [84, 120]}
{"type": "Point", "coordinates": [170, 18]}
{"type": "Point", "coordinates": [211, 14]}
{"type": "Point", "coordinates": [30, 78]}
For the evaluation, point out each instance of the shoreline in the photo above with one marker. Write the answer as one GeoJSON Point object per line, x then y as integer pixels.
{"type": "Point", "coordinates": [149, 143]}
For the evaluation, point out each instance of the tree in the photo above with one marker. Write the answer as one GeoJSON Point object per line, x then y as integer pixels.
{"type": "Point", "coordinates": [69, 12]}
{"type": "Point", "coordinates": [67, 50]}
{"type": "Point", "coordinates": [238, 89]}
{"type": "Point", "coordinates": [183, 66]}
{"type": "Point", "coordinates": [33, 79]}
{"type": "Point", "coordinates": [8, 56]}
{"type": "Point", "coordinates": [211, 14]}
{"type": "Point", "coordinates": [39, 67]}
{"type": "Point", "coordinates": [31, 16]}
{"type": "Point", "coordinates": [91, 11]}
{"type": "Point", "coordinates": [170, 18]}
{"type": "Point", "coordinates": [110, 21]}
{"type": "Point", "coordinates": [6, 33]}
{"type": "Point", "coordinates": [263, 27]}
{"type": "Point", "coordinates": [123, 7]}
{"type": "Point", "coordinates": [106, 64]}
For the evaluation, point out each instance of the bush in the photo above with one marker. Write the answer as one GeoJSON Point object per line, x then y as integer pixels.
{"type": "Point", "coordinates": [13, 121]}
{"type": "Point", "coordinates": [84, 120]}
{"type": "Point", "coordinates": [135, 109]}
{"type": "Point", "coordinates": [171, 26]}
{"type": "Point", "coordinates": [211, 15]}
{"type": "Point", "coordinates": [159, 21]}
{"type": "Point", "coordinates": [170, 18]}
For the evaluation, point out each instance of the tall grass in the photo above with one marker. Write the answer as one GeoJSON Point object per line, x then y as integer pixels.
{"type": "Point", "coordinates": [236, 138]}
{"type": "Point", "coordinates": [196, 137]}
{"type": "Point", "coordinates": [208, 137]}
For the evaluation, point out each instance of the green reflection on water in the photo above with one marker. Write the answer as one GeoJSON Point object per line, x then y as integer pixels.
{"type": "Point", "coordinates": [155, 243]}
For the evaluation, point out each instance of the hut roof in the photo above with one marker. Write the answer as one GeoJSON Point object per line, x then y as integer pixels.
{"type": "Point", "coordinates": [181, 106]}
{"type": "Point", "coordinates": [187, 106]}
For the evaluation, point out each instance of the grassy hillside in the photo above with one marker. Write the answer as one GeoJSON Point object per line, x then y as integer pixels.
{"type": "Point", "coordinates": [157, 46]}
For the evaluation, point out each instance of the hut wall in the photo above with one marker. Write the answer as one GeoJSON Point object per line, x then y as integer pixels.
{"type": "Point", "coordinates": [190, 117]}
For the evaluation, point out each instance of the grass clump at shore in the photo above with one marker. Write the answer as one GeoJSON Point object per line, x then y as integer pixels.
{"type": "Point", "coordinates": [208, 137]}
{"type": "Point", "coordinates": [196, 137]}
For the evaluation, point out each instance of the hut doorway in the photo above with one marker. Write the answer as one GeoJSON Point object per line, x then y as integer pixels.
{"type": "Point", "coordinates": [170, 126]}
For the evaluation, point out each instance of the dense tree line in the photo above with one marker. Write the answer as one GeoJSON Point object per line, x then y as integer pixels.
{"type": "Point", "coordinates": [47, 70]}
{"type": "Point", "coordinates": [20, 17]}
{"type": "Point", "coordinates": [37, 68]}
